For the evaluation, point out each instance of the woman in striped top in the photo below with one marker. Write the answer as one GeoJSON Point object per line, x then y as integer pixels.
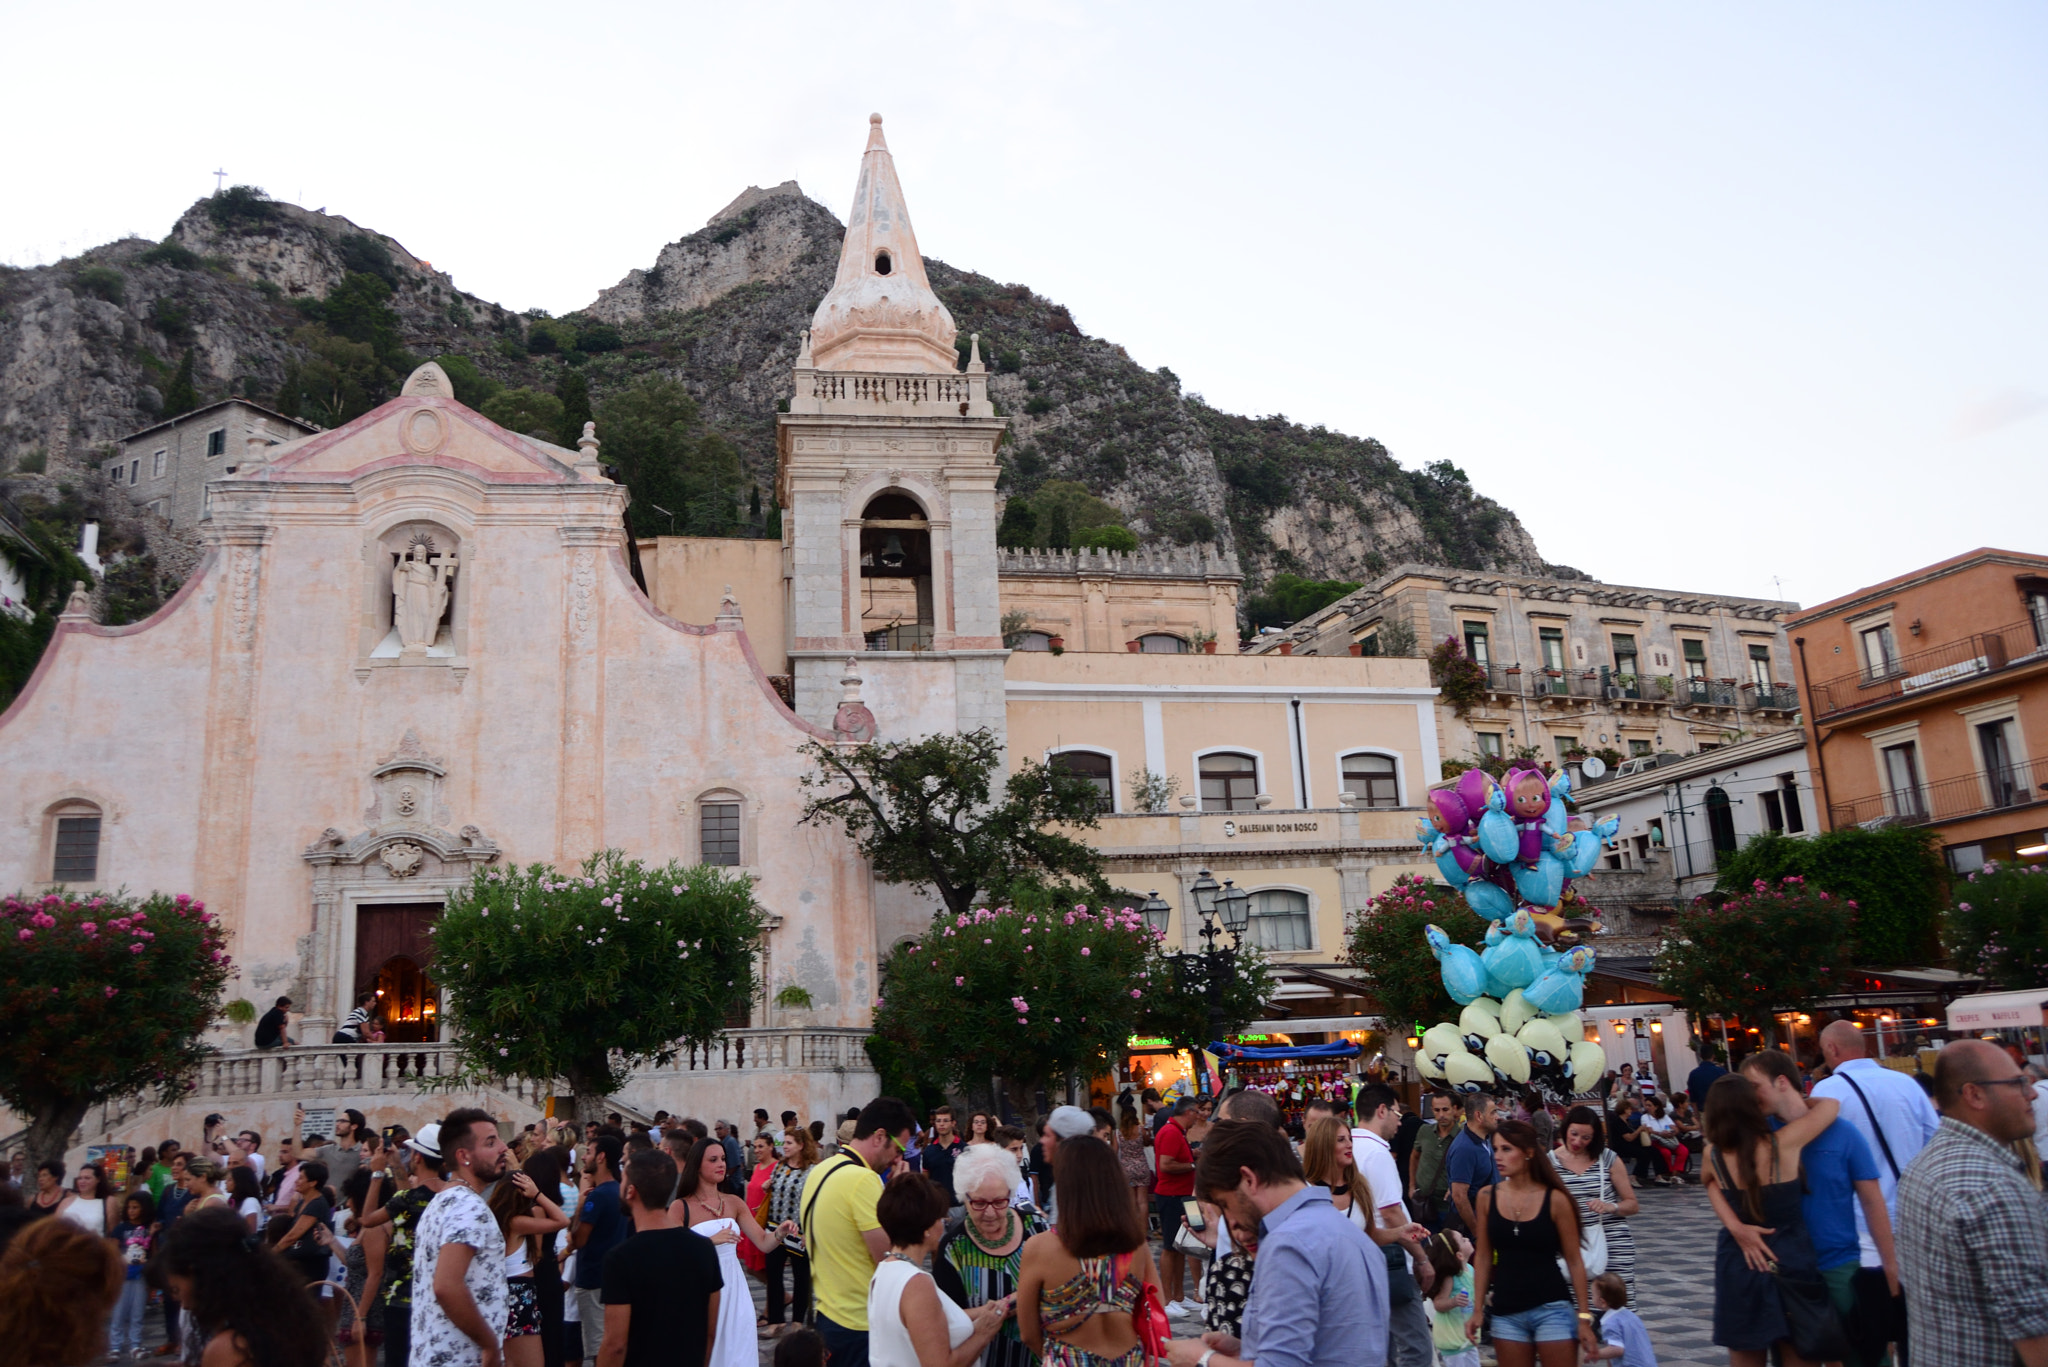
{"type": "Point", "coordinates": [355, 1029]}
{"type": "Point", "coordinates": [978, 1258]}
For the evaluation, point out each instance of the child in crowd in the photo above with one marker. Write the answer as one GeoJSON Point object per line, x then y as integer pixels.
{"type": "Point", "coordinates": [133, 1240]}
{"type": "Point", "coordinates": [804, 1348]}
{"type": "Point", "coordinates": [1450, 1302]}
{"type": "Point", "coordinates": [1622, 1334]}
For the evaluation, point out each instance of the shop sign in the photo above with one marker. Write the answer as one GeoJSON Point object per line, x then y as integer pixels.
{"type": "Point", "coordinates": [1138, 1042]}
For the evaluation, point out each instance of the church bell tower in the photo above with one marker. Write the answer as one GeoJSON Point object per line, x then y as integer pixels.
{"type": "Point", "coordinates": [887, 478]}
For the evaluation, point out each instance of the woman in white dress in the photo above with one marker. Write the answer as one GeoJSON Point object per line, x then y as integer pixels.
{"type": "Point", "coordinates": [89, 1210]}
{"type": "Point", "coordinates": [723, 1218]}
{"type": "Point", "coordinates": [909, 1323]}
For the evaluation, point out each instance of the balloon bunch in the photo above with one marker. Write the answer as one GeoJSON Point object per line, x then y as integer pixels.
{"type": "Point", "coordinates": [1511, 848]}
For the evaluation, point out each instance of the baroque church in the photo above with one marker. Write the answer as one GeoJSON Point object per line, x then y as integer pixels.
{"type": "Point", "coordinates": [420, 644]}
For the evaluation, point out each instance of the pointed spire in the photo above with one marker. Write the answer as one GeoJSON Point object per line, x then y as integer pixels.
{"type": "Point", "coordinates": [881, 313]}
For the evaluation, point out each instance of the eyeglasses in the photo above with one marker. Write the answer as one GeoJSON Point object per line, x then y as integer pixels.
{"type": "Point", "coordinates": [1000, 1203]}
{"type": "Point", "coordinates": [1999, 1082]}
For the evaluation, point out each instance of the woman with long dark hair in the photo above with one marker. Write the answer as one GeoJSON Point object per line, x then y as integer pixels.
{"type": "Point", "coordinates": [1130, 1152]}
{"type": "Point", "coordinates": [546, 1167]}
{"type": "Point", "coordinates": [1527, 1221]}
{"type": "Point", "coordinates": [1751, 1173]}
{"type": "Point", "coordinates": [312, 1205]}
{"type": "Point", "coordinates": [525, 1211]}
{"type": "Point", "coordinates": [1597, 1180]}
{"type": "Point", "coordinates": [250, 1306]}
{"type": "Point", "coordinates": [245, 1194]}
{"type": "Point", "coordinates": [981, 1128]}
{"type": "Point", "coordinates": [1080, 1281]}
{"type": "Point", "coordinates": [1327, 1161]}
{"type": "Point", "coordinates": [89, 1211]}
{"type": "Point", "coordinates": [723, 1218]}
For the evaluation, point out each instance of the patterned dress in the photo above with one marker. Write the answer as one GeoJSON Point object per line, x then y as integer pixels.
{"type": "Point", "coordinates": [1597, 1184]}
{"type": "Point", "coordinates": [972, 1276]}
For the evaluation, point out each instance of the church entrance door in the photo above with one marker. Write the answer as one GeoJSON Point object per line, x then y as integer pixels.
{"type": "Point", "coordinates": [393, 956]}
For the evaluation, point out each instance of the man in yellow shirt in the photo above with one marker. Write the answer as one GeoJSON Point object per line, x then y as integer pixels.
{"type": "Point", "coordinates": [845, 1240]}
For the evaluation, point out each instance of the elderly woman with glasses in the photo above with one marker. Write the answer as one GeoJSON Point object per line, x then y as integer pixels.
{"type": "Point", "coordinates": [977, 1260]}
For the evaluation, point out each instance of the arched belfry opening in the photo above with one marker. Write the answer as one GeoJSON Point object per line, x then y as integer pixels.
{"type": "Point", "coordinates": [896, 573]}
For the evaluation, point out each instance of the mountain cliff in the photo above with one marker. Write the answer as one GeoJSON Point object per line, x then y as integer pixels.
{"type": "Point", "coordinates": [316, 314]}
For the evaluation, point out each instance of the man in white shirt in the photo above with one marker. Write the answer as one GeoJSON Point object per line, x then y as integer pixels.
{"type": "Point", "coordinates": [1409, 1340]}
{"type": "Point", "coordinates": [1896, 1120]}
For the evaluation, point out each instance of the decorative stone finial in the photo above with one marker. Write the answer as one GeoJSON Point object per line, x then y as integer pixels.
{"type": "Point", "coordinates": [78, 607]}
{"type": "Point", "coordinates": [881, 313]}
{"type": "Point", "coordinates": [255, 454]}
{"type": "Point", "coordinates": [974, 365]}
{"type": "Point", "coordinates": [853, 722]}
{"type": "Point", "coordinates": [803, 351]}
{"type": "Point", "coordinates": [428, 382]}
{"type": "Point", "coordinates": [587, 444]}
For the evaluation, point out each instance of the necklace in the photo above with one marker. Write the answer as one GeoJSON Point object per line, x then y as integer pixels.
{"type": "Point", "coordinates": [1009, 1232]}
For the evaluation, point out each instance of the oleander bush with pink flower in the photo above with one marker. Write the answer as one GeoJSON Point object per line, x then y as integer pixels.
{"type": "Point", "coordinates": [1997, 925]}
{"type": "Point", "coordinates": [1385, 939]}
{"type": "Point", "coordinates": [1777, 947]}
{"type": "Point", "coordinates": [102, 996]}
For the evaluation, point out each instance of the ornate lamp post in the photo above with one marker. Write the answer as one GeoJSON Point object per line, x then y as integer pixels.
{"type": "Point", "coordinates": [1215, 968]}
{"type": "Point", "coordinates": [1158, 912]}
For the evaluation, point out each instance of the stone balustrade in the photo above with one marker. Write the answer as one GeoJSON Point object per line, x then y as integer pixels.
{"type": "Point", "coordinates": [897, 395]}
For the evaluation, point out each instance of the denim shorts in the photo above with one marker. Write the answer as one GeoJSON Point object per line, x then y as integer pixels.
{"type": "Point", "coordinates": [1550, 1323]}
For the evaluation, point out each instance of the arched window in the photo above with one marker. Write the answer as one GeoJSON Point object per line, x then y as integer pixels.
{"type": "Point", "coordinates": [1094, 766]}
{"type": "Point", "coordinates": [1279, 920]}
{"type": "Point", "coordinates": [1720, 820]}
{"type": "Point", "coordinates": [1033, 640]}
{"type": "Point", "coordinates": [1161, 643]}
{"type": "Point", "coordinates": [75, 843]}
{"type": "Point", "coordinates": [1372, 781]}
{"type": "Point", "coordinates": [1230, 782]}
{"type": "Point", "coordinates": [896, 573]}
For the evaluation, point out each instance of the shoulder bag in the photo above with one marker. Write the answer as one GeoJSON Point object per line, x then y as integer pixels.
{"type": "Point", "coordinates": [1592, 1234]}
{"type": "Point", "coordinates": [803, 1221]}
{"type": "Point", "coordinates": [1148, 1316]}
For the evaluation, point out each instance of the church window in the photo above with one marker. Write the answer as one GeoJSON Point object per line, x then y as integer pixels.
{"type": "Point", "coordinates": [719, 833]}
{"type": "Point", "coordinates": [75, 848]}
{"type": "Point", "coordinates": [217, 442]}
{"type": "Point", "coordinates": [882, 263]}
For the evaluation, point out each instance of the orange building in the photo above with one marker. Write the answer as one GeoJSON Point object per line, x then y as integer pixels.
{"type": "Point", "coordinates": [1926, 701]}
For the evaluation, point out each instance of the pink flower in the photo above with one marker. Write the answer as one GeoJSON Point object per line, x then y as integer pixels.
{"type": "Point", "coordinates": [959, 982]}
{"type": "Point", "coordinates": [28, 935]}
{"type": "Point", "coordinates": [112, 990]}
{"type": "Point", "coordinates": [1084, 948]}
{"type": "Point", "coordinates": [1136, 993]}
{"type": "Point", "coordinates": [135, 948]}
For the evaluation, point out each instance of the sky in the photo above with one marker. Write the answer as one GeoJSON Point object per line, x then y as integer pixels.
{"type": "Point", "coordinates": [1743, 299]}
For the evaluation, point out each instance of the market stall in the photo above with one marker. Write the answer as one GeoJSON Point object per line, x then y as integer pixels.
{"type": "Point", "coordinates": [1292, 1074]}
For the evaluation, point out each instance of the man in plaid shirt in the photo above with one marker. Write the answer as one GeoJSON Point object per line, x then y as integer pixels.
{"type": "Point", "coordinates": [1972, 1228]}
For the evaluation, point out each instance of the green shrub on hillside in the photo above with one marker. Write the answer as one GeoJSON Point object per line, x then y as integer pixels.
{"type": "Point", "coordinates": [1287, 598]}
{"type": "Point", "coordinates": [102, 282]}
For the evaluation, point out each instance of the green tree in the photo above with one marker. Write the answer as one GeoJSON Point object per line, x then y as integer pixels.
{"type": "Point", "coordinates": [473, 388]}
{"type": "Point", "coordinates": [1710, 961]}
{"type": "Point", "coordinates": [181, 397]}
{"type": "Point", "coordinates": [670, 462]}
{"type": "Point", "coordinates": [1894, 874]}
{"type": "Point", "coordinates": [1177, 1001]}
{"type": "Point", "coordinates": [532, 412]}
{"type": "Point", "coordinates": [241, 207]}
{"type": "Point", "coordinates": [1059, 527]}
{"type": "Point", "coordinates": [42, 559]}
{"type": "Point", "coordinates": [574, 392]}
{"type": "Point", "coordinates": [1107, 538]}
{"type": "Point", "coordinates": [1386, 941]}
{"type": "Point", "coordinates": [338, 379]}
{"type": "Point", "coordinates": [1027, 995]}
{"type": "Point", "coordinates": [1998, 927]}
{"type": "Point", "coordinates": [583, 978]}
{"type": "Point", "coordinates": [359, 310]}
{"type": "Point", "coordinates": [1287, 598]}
{"type": "Point", "coordinates": [1018, 528]}
{"type": "Point", "coordinates": [102, 996]}
{"type": "Point", "coordinates": [925, 812]}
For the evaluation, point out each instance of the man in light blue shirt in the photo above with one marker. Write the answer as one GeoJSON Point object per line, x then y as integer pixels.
{"type": "Point", "coordinates": [1319, 1297]}
{"type": "Point", "coordinates": [1876, 1100]}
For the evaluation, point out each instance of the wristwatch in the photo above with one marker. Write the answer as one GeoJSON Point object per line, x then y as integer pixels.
{"type": "Point", "coordinates": [1203, 1360]}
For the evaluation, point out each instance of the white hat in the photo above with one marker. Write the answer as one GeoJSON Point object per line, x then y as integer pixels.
{"type": "Point", "coordinates": [427, 1142]}
{"type": "Point", "coordinates": [1070, 1122]}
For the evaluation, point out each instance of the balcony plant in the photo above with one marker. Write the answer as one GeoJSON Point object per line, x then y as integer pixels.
{"type": "Point", "coordinates": [102, 997]}
{"type": "Point", "coordinates": [1459, 680]}
{"type": "Point", "coordinates": [1203, 641]}
{"type": "Point", "coordinates": [1664, 684]}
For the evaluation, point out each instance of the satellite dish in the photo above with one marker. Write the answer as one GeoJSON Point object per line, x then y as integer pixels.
{"type": "Point", "coordinates": [1592, 766]}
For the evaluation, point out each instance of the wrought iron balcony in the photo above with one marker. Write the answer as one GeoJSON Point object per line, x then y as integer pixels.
{"type": "Point", "coordinates": [1985, 652]}
{"type": "Point", "coordinates": [1948, 799]}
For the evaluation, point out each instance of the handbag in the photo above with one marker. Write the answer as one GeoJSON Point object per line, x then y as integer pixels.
{"type": "Point", "coordinates": [1810, 1319]}
{"type": "Point", "coordinates": [1148, 1318]}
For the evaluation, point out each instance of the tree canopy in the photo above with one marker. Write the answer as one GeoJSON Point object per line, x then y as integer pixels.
{"type": "Point", "coordinates": [1386, 940]}
{"type": "Point", "coordinates": [926, 812]}
{"type": "Point", "coordinates": [1287, 598]}
{"type": "Point", "coordinates": [1711, 960]}
{"type": "Point", "coordinates": [684, 477]}
{"type": "Point", "coordinates": [102, 996]}
{"type": "Point", "coordinates": [1894, 875]}
{"type": "Point", "coordinates": [583, 977]}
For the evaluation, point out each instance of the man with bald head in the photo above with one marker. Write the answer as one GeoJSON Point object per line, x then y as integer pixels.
{"type": "Point", "coordinates": [1971, 1226]}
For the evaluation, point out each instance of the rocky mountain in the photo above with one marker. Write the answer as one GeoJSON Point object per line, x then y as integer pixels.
{"type": "Point", "coordinates": [254, 292]}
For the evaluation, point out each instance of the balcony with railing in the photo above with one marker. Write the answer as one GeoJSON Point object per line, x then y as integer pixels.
{"type": "Point", "coordinates": [1985, 652]}
{"type": "Point", "coordinates": [1707, 693]}
{"type": "Point", "coordinates": [1772, 697]}
{"type": "Point", "coordinates": [1948, 799]}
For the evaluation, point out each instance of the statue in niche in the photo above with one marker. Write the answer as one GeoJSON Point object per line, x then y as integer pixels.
{"type": "Point", "coordinates": [419, 590]}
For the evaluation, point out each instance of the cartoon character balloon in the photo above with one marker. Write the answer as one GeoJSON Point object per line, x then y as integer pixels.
{"type": "Point", "coordinates": [1464, 976]}
{"type": "Point", "coordinates": [1563, 985]}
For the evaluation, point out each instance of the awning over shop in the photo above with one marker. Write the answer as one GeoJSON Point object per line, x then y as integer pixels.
{"type": "Point", "coordinates": [1293, 1051]}
{"type": "Point", "coordinates": [1999, 1010]}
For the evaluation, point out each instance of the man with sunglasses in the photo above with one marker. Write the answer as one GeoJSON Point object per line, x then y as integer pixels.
{"type": "Point", "coordinates": [1971, 1226]}
{"type": "Point", "coordinates": [844, 1237]}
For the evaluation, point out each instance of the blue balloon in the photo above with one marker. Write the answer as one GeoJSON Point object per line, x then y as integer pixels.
{"type": "Point", "coordinates": [1490, 900]}
{"type": "Point", "coordinates": [1563, 985]}
{"type": "Point", "coordinates": [1542, 884]}
{"type": "Point", "coordinates": [1498, 838]}
{"type": "Point", "coordinates": [1515, 959]}
{"type": "Point", "coordinates": [1464, 977]}
{"type": "Point", "coordinates": [1555, 819]}
{"type": "Point", "coordinates": [1447, 863]}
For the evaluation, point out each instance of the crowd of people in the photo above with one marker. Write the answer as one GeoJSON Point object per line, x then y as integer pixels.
{"type": "Point", "coordinates": [1861, 1218]}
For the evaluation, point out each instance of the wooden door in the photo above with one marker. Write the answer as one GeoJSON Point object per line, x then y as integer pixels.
{"type": "Point", "coordinates": [394, 954]}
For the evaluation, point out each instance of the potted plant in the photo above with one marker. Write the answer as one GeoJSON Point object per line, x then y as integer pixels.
{"type": "Point", "coordinates": [1056, 644]}
{"type": "Point", "coordinates": [1134, 647]}
{"type": "Point", "coordinates": [1204, 641]}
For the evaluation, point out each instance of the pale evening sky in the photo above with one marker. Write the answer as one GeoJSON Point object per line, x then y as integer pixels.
{"type": "Point", "coordinates": [1715, 299]}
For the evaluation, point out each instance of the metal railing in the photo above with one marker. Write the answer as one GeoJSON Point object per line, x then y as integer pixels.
{"type": "Point", "coordinates": [1985, 652]}
{"type": "Point", "coordinates": [1706, 693]}
{"type": "Point", "coordinates": [1947, 799]}
{"type": "Point", "coordinates": [1771, 697]}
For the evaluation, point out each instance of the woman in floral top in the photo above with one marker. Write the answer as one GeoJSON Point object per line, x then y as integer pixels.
{"type": "Point", "coordinates": [785, 1195]}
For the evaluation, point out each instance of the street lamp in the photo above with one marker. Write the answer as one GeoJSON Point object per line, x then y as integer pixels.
{"type": "Point", "coordinates": [1158, 912]}
{"type": "Point", "coordinates": [1204, 892]}
{"type": "Point", "coordinates": [1235, 905]}
{"type": "Point", "coordinates": [1214, 968]}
